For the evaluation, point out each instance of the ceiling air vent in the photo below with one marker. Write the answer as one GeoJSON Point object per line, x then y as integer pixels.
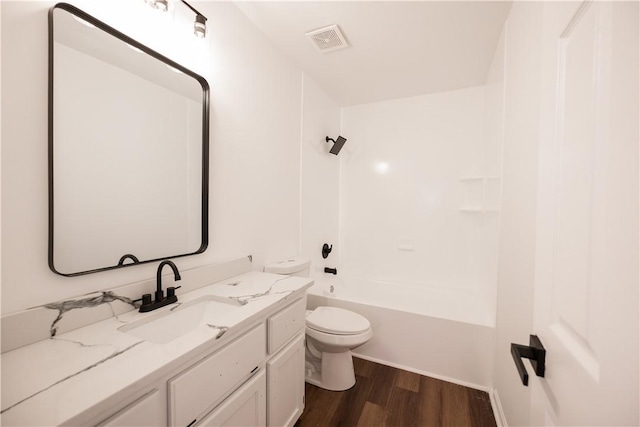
{"type": "Point", "coordinates": [328, 39]}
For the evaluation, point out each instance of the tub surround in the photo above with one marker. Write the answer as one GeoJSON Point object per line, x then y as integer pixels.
{"type": "Point", "coordinates": [417, 333]}
{"type": "Point", "coordinates": [467, 305]}
{"type": "Point", "coordinates": [75, 374]}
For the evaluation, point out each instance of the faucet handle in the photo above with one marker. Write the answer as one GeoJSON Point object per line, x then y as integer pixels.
{"type": "Point", "coordinates": [171, 291]}
{"type": "Point", "coordinates": [146, 299]}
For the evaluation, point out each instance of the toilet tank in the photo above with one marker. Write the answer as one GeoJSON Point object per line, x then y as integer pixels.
{"type": "Point", "coordinates": [292, 267]}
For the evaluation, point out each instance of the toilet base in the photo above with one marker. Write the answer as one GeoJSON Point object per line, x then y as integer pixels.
{"type": "Point", "coordinates": [336, 372]}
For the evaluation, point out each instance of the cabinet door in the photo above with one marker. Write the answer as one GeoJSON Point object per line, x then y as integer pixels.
{"type": "Point", "coordinates": [200, 388]}
{"type": "Point", "coordinates": [246, 407]}
{"type": "Point", "coordinates": [146, 411]}
{"type": "Point", "coordinates": [285, 324]}
{"type": "Point", "coordinates": [285, 384]}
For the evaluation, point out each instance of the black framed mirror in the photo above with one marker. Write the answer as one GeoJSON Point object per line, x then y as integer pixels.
{"type": "Point", "coordinates": [128, 150]}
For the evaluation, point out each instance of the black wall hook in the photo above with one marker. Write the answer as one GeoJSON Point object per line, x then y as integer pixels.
{"type": "Point", "coordinates": [326, 250]}
{"type": "Point", "coordinates": [535, 352]}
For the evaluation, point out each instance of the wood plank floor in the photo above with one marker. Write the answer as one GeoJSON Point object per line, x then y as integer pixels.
{"type": "Point", "coordinates": [389, 397]}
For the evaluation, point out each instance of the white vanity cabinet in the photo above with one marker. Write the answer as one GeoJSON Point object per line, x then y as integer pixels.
{"type": "Point", "coordinates": [277, 397]}
{"type": "Point", "coordinates": [285, 384]}
{"type": "Point", "coordinates": [285, 367]}
{"type": "Point", "coordinates": [273, 399]}
{"type": "Point", "coordinates": [231, 353]}
{"type": "Point", "coordinates": [194, 392]}
{"type": "Point", "coordinates": [245, 407]}
{"type": "Point", "coordinates": [257, 379]}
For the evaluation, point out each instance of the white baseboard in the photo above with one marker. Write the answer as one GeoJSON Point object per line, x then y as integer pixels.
{"type": "Point", "coordinates": [498, 412]}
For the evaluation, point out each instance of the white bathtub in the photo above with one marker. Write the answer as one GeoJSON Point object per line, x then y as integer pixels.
{"type": "Point", "coordinates": [446, 334]}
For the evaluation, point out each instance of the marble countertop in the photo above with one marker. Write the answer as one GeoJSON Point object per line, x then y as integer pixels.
{"type": "Point", "coordinates": [54, 380]}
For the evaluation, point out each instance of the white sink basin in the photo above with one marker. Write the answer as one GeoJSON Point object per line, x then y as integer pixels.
{"type": "Point", "coordinates": [178, 320]}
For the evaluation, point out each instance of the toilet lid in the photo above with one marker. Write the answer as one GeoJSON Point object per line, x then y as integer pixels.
{"type": "Point", "coordinates": [337, 321]}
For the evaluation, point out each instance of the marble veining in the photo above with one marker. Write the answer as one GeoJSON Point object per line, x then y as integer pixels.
{"type": "Point", "coordinates": [245, 299]}
{"type": "Point", "coordinates": [65, 306]}
{"type": "Point", "coordinates": [100, 342]}
{"type": "Point", "coordinates": [80, 343]}
{"type": "Point", "coordinates": [68, 377]}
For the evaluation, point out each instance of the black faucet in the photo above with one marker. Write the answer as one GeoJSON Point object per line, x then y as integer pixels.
{"type": "Point", "coordinates": [161, 301]}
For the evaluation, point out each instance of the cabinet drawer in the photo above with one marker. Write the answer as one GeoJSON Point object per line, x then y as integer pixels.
{"type": "Point", "coordinates": [208, 382]}
{"type": "Point", "coordinates": [285, 324]}
{"type": "Point", "coordinates": [246, 407]}
{"type": "Point", "coordinates": [146, 411]}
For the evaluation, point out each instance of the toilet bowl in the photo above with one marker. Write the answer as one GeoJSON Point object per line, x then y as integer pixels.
{"type": "Point", "coordinates": [331, 335]}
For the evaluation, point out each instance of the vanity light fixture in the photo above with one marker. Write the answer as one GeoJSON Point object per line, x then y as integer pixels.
{"type": "Point", "coordinates": [162, 5]}
{"type": "Point", "coordinates": [200, 24]}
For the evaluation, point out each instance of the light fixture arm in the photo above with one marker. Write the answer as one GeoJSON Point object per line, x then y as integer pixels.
{"type": "Point", "coordinates": [194, 10]}
{"type": "Point", "coordinates": [199, 24]}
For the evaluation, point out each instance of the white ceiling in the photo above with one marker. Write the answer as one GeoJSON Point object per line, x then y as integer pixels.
{"type": "Point", "coordinates": [397, 48]}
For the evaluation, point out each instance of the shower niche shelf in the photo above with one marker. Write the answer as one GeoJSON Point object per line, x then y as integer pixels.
{"type": "Point", "coordinates": [481, 194]}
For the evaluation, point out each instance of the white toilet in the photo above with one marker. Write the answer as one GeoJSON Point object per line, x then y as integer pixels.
{"type": "Point", "coordinates": [331, 335]}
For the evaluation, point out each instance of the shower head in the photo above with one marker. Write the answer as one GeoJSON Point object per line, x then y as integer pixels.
{"type": "Point", "coordinates": [337, 144]}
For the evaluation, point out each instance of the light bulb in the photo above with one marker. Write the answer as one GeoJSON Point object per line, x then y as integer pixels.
{"type": "Point", "coordinates": [162, 5]}
{"type": "Point", "coordinates": [200, 26]}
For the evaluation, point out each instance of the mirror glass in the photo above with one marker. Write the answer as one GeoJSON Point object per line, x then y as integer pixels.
{"type": "Point", "coordinates": [128, 150]}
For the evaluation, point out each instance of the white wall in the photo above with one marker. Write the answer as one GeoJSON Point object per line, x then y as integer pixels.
{"type": "Point", "coordinates": [255, 141]}
{"type": "Point", "coordinates": [492, 166]}
{"type": "Point", "coordinates": [514, 320]}
{"type": "Point", "coordinates": [402, 197]}
{"type": "Point", "coordinates": [0, 158]}
{"type": "Point", "coordinates": [319, 209]}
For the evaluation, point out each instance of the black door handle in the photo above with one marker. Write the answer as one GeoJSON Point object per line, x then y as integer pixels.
{"type": "Point", "coordinates": [535, 352]}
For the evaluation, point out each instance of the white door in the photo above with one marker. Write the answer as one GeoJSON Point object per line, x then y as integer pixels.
{"type": "Point", "coordinates": [586, 302]}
